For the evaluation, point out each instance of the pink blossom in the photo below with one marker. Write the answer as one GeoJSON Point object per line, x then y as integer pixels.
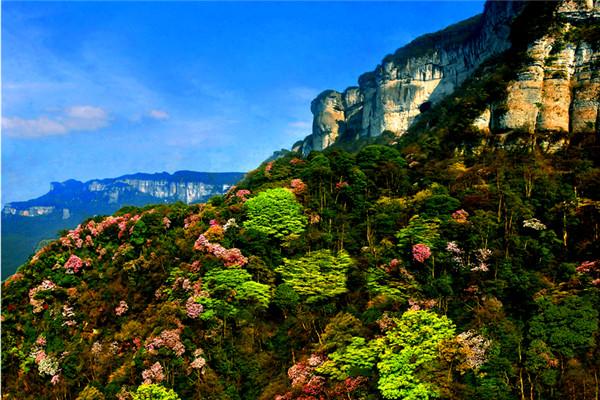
{"type": "Point", "coordinates": [230, 257]}
{"type": "Point", "coordinates": [39, 356]}
{"type": "Point", "coordinates": [153, 374]}
{"type": "Point", "coordinates": [41, 341]}
{"type": "Point", "coordinates": [198, 363]}
{"type": "Point", "coordinates": [421, 252]}
{"type": "Point", "coordinates": [298, 186]}
{"type": "Point", "coordinates": [482, 256]}
{"type": "Point", "coordinates": [314, 386]}
{"type": "Point", "coordinates": [587, 266]}
{"type": "Point", "coordinates": [191, 220]}
{"type": "Point", "coordinates": [269, 167]}
{"type": "Point", "coordinates": [460, 216]}
{"type": "Point", "coordinates": [121, 308]}
{"type": "Point", "coordinates": [169, 339]}
{"type": "Point", "coordinates": [242, 193]}
{"type": "Point", "coordinates": [73, 264]}
{"type": "Point", "coordinates": [195, 266]}
{"type": "Point", "coordinates": [166, 222]}
{"type": "Point", "coordinates": [192, 308]}
{"type": "Point", "coordinates": [55, 379]}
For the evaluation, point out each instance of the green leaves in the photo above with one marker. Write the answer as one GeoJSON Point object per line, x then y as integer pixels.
{"type": "Point", "coordinates": [276, 213]}
{"type": "Point", "coordinates": [568, 327]}
{"type": "Point", "coordinates": [316, 276]}
{"type": "Point", "coordinates": [154, 392]}
{"type": "Point", "coordinates": [236, 285]}
{"type": "Point", "coordinates": [413, 343]}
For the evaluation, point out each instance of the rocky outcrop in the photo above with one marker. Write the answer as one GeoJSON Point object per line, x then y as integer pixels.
{"type": "Point", "coordinates": [557, 90]}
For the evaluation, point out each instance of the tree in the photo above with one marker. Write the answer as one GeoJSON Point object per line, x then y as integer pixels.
{"type": "Point", "coordinates": [276, 213]}
{"type": "Point", "coordinates": [317, 276]}
{"type": "Point", "coordinates": [568, 327]}
{"type": "Point", "coordinates": [407, 348]}
{"type": "Point", "coordinates": [237, 284]}
{"type": "Point", "coordinates": [154, 392]}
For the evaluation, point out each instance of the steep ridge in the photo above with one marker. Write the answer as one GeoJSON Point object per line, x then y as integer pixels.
{"type": "Point", "coordinates": [557, 88]}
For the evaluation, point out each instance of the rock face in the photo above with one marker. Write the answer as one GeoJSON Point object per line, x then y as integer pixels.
{"type": "Point", "coordinates": [558, 90]}
{"type": "Point", "coordinates": [559, 87]}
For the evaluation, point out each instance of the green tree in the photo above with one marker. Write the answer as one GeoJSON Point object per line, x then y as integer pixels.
{"type": "Point", "coordinates": [154, 392]}
{"type": "Point", "coordinates": [237, 284]}
{"type": "Point", "coordinates": [276, 213]}
{"type": "Point", "coordinates": [317, 276]}
{"type": "Point", "coordinates": [408, 347]}
{"type": "Point", "coordinates": [568, 327]}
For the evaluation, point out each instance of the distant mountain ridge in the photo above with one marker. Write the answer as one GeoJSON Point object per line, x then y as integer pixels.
{"type": "Point", "coordinates": [26, 223]}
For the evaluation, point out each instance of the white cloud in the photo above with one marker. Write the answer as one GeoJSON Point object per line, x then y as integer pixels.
{"type": "Point", "coordinates": [42, 126]}
{"type": "Point", "coordinates": [158, 114]}
{"type": "Point", "coordinates": [72, 119]}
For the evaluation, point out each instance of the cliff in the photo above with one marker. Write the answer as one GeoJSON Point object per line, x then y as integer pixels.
{"type": "Point", "coordinates": [556, 88]}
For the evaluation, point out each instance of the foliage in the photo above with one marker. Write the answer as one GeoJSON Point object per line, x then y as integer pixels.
{"type": "Point", "coordinates": [317, 276]}
{"type": "Point", "coordinates": [275, 212]}
{"type": "Point", "coordinates": [154, 392]}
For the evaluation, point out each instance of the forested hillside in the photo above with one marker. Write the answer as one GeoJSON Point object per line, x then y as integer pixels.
{"type": "Point", "coordinates": [449, 263]}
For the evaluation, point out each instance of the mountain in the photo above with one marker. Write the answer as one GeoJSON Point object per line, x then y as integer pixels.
{"type": "Point", "coordinates": [452, 258]}
{"type": "Point", "coordinates": [555, 89]}
{"type": "Point", "coordinates": [27, 223]}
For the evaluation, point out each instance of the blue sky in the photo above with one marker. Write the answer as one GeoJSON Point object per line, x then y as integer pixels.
{"type": "Point", "coordinates": [102, 89]}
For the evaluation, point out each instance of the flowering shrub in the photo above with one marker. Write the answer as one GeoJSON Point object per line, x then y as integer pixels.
{"type": "Point", "coordinates": [416, 305]}
{"type": "Point", "coordinates": [421, 252]}
{"type": "Point", "coordinates": [482, 256]}
{"type": "Point", "coordinates": [474, 347]}
{"type": "Point", "coordinates": [591, 268]}
{"type": "Point", "coordinates": [199, 362]}
{"type": "Point", "coordinates": [73, 264]}
{"type": "Point", "coordinates": [38, 305]}
{"type": "Point", "coordinates": [68, 314]}
{"type": "Point", "coordinates": [460, 216]}
{"type": "Point", "coordinates": [153, 374]}
{"type": "Point", "coordinates": [242, 193]}
{"type": "Point", "coordinates": [298, 187]}
{"type": "Point", "coordinates": [230, 257]}
{"type": "Point", "coordinates": [169, 339]}
{"type": "Point", "coordinates": [534, 223]}
{"type": "Point", "coordinates": [230, 224]}
{"type": "Point", "coordinates": [121, 308]}
{"type": "Point", "coordinates": [193, 309]}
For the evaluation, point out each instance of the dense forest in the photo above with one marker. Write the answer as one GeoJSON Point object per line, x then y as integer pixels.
{"type": "Point", "coordinates": [338, 275]}
{"type": "Point", "coordinates": [447, 264]}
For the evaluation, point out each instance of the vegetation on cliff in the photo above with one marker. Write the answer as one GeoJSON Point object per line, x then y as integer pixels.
{"type": "Point", "coordinates": [338, 275]}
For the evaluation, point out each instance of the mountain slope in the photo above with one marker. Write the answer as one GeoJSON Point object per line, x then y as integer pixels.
{"type": "Point", "coordinates": [26, 223]}
{"type": "Point", "coordinates": [453, 264]}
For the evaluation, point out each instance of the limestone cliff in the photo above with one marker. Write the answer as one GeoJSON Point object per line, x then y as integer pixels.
{"type": "Point", "coordinates": [557, 88]}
